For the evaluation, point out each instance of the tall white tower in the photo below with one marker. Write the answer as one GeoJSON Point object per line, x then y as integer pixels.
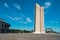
{"type": "Point", "coordinates": [39, 19]}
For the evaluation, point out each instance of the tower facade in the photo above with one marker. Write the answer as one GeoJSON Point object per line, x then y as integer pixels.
{"type": "Point", "coordinates": [39, 19]}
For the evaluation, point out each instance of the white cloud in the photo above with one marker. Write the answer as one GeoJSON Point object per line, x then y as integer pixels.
{"type": "Point", "coordinates": [15, 18]}
{"type": "Point", "coordinates": [17, 6]}
{"type": "Point", "coordinates": [28, 19]}
{"type": "Point", "coordinates": [51, 22]}
{"type": "Point", "coordinates": [56, 21]}
{"type": "Point", "coordinates": [25, 22]}
{"type": "Point", "coordinates": [5, 4]}
{"type": "Point", "coordinates": [11, 18]}
{"type": "Point", "coordinates": [47, 4]}
{"type": "Point", "coordinates": [21, 22]}
{"type": "Point", "coordinates": [45, 12]}
{"type": "Point", "coordinates": [23, 15]}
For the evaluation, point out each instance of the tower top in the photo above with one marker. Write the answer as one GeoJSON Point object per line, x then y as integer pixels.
{"type": "Point", "coordinates": [37, 5]}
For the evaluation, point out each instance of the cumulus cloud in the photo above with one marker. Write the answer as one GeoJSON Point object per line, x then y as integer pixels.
{"type": "Point", "coordinates": [17, 6]}
{"type": "Point", "coordinates": [47, 4]}
{"type": "Point", "coordinates": [5, 4]}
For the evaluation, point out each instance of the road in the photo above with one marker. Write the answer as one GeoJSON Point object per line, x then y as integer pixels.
{"type": "Point", "coordinates": [29, 36]}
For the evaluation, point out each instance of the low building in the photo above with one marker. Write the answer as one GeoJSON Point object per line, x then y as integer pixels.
{"type": "Point", "coordinates": [4, 27]}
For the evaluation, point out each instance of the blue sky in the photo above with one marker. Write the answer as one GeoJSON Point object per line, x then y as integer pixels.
{"type": "Point", "coordinates": [20, 13]}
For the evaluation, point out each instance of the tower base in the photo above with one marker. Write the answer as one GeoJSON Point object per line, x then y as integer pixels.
{"type": "Point", "coordinates": [38, 32]}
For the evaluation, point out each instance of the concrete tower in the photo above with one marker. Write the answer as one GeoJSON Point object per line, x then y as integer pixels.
{"type": "Point", "coordinates": [39, 19]}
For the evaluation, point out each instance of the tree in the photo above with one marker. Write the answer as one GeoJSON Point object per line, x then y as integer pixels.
{"type": "Point", "coordinates": [49, 30]}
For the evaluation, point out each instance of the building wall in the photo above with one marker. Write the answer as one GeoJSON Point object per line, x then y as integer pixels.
{"type": "Point", "coordinates": [37, 20]}
{"type": "Point", "coordinates": [4, 27]}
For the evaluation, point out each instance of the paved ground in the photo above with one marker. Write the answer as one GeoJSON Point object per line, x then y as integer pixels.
{"type": "Point", "coordinates": [28, 36]}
